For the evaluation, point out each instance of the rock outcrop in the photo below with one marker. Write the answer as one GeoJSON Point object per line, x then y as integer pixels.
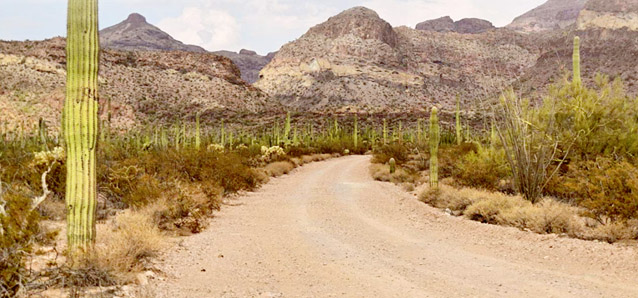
{"type": "Point", "coordinates": [135, 34]}
{"type": "Point", "coordinates": [356, 61]}
{"type": "Point", "coordinates": [464, 26]}
{"type": "Point", "coordinates": [249, 63]}
{"type": "Point", "coordinates": [142, 86]}
{"type": "Point", "coordinates": [609, 14]}
{"type": "Point", "coordinates": [552, 15]}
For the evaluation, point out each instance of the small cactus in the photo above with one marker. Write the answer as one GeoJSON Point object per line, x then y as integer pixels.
{"type": "Point", "coordinates": [346, 152]}
{"type": "Point", "coordinates": [458, 120]}
{"type": "Point", "coordinates": [393, 165]}
{"type": "Point", "coordinates": [435, 136]}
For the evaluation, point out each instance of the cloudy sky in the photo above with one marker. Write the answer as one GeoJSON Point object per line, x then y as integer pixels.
{"type": "Point", "coordinates": [261, 25]}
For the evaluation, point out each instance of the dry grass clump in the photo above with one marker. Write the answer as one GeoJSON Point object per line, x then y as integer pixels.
{"type": "Point", "coordinates": [382, 173]}
{"type": "Point", "coordinates": [548, 216]}
{"type": "Point", "coordinates": [279, 168]}
{"type": "Point", "coordinates": [125, 246]}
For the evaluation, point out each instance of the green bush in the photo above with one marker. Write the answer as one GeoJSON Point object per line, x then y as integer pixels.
{"type": "Point", "coordinates": [19, 229]}
{"type": "Point", "coordinates": [607, 188]}
{"type": "Point", "coordinates": [397, 151]}
{"type": "Point", "coordinates": [484, 168]}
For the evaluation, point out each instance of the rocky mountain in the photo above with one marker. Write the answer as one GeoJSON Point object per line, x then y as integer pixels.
{"type": "Point", "coordinates": [141, 86]}
{"type": "Point", "coordinates": [552, 15]}
{"type": "Point", "coordinates": [609, 14]}
{"type": "Point", "coordinates": [249, 63]}
{"type": "Point", "coordinates": [356, 61]}
{"type": "Point", "coordinates": [135, 34]}
{"type": "Point", "coordinates": [446, 24]}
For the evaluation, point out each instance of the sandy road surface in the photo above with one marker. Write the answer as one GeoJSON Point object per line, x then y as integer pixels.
{"type": "Point", "coordinates": [329, 230]}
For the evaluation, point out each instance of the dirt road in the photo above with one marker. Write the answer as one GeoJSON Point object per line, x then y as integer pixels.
{"type": "Point", "coordinates": [329, 230]}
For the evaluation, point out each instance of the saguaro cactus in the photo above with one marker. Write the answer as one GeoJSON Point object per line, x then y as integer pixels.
{"type": "Point", "coordinates": [435, 137]}
{"type": "Point", "coordinates": [576, 60]}
{"type": "Point", "coordinates": [458, 120]}
{"type": "Point", "coordinates": [356, 132]}
{"type": "Point", "coordinates": [81, 123]}
{"type": "Point", "coordinates": [385, 131]}
{"type": "Point", "coordinates": [198, 140]}
{"type": "Point", "coordinates": [287, 127]}
{"type": "Point", "coordinates": [393, 165]}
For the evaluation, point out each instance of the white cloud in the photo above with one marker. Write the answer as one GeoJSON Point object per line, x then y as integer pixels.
{"type": "Point", "coordinates": [209, 28]}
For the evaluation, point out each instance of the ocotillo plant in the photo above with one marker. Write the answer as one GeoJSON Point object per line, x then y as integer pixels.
{"type": "Point", "coordinates": [355, 135]}
{"type": "Point", "coordinates": [458, 120]}
{"type": "Point", "coordinates": [81, 123]}
{"type": "Point", "coordinates": [576, 60]}
{"type": "Point", "coordinates": [435, 135]}
{"type": "Point", "coordinates": [393, 165]}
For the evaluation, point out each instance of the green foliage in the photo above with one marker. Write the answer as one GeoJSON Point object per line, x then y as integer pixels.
{"type": "Point", "coordinates": [397, 151]}
{"type": "Point", "coordinates": [608, 188]}
{"type": "Point", "coordinates": [600, 121]}
{"type": "Point", "coordinates": [484, 168]}
{"type": "Point", "coordinates": [19, 229]}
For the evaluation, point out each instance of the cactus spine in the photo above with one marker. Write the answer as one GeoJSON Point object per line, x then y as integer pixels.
{"type": "Point", "coordinates": [435, 136]}
{"type": "Point", "coordinates": [458, 120]}
{"type": "Point", "coordinates": [576, 60]}
{"type": "Point", "coordinates": [81, 123]}
{"type": "Point", "coordinates": [393, 165]}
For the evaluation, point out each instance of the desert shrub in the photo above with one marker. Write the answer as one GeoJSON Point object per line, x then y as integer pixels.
{"type": "Point", "coordinates": [607, 188]}
{"type": "Point", "coordinates": [484, 168]}
{"type": "Point", "coordinates": [397, 151]}
{"type": "Point", "coordinates": [279, 168]}
{"type": "Point", "coordinates": [19, 230]}
{"type": "Point", "coordinates": [445, 197]}
{"type": "Point", "coordinates": [185, 209]}
{"type": "Point", "coordinates": [123, 249]}
{"type": "Point", "coordinates": [613, 232]}
{"type": "Point", "coordinates": [545, 217]}
{"type": "Point", "coordinates": [382, 173]}
{"type": "Point", "coordinates": [491, 210]}
{"type": "Point", "coordinates": [599, 121]}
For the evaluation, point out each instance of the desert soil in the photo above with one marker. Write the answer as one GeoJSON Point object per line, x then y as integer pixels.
{"type": "Point", "coordinates": [329, 230]}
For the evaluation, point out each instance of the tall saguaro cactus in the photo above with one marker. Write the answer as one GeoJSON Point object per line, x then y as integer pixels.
{"type": "Point", "coordinates": [435, 137]}
{"type": "Point", "coordinates": [81, 123]}
{"type": "Point", "coordinates": [355, 133]}
{"type": "Point", "coordinates": [385, 131]}
{"type": "Point", "coordinates": [458, 120]}
{"type": "Point", "coordinates": [576, 60]}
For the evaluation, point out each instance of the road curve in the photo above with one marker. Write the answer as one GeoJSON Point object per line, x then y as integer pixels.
{"type": "Point", "coordinates": [329, 230]}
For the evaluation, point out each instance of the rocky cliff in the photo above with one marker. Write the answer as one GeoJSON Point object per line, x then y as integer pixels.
{"type": "Point", "coordinates": [552, 15]}
{"type": "Point", "coordinates": [249, 63]}
{"type": "Point", "coordinates": [609, 14]}
{"type": "Point", "coordinates": [142, 86]}
{"type": "Point", "coordinates": [134, 34]}
{"type": "Point", "coordinates": [356, 61]}
{"type": "Point", "coordinates": [446, 24]}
